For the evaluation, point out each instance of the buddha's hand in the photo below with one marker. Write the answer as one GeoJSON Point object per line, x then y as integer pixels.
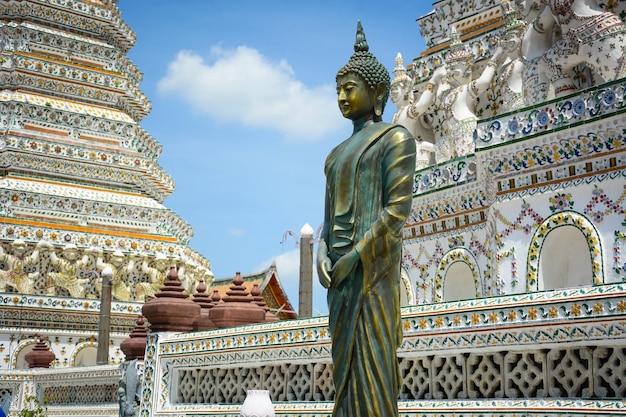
{"type": "Point", "coordinates": [344, 266]}
{"type": "Point", "coordinates": [324, 264]}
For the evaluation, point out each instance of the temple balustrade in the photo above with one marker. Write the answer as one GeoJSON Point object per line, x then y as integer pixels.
{"type": "Point", "coordinates": [542, 353]}
{"type": "Point", "coordinates": [87, 391]}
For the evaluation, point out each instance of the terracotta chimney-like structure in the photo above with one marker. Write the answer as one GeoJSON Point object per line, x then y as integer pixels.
{"type": "Point", "coordinates": [40, 356]}
{"type": "Point", "coordinates": [255, 292]}
{"type": "Point", "coordinates": [171, 310]}
{"type": "Point", "coordinates": [135, 346]}
{"type": "Point", "coordinates": [203, 322]}
{"type": "Point", "coordinates": [238, 307]}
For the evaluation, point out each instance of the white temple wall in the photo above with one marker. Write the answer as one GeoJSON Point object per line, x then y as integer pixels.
{"type": "Point", "coordinates": [574, 226]}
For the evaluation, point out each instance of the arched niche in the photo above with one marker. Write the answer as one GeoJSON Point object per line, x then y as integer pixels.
{"type": "Point", "coordinates": [457, 277]}
{"type": "Point", "coordinates": [459, 283]}
{"type": "Point", "coordinates": [564, 261]}
{"type": "Point", "coordinates": [23, 349]}
{"type": "Point", "coordinates": [564, 252]}
{"type": "Point", "coordinates": [85, 355]}
{"type": "Point", "coordinates": [407, 297]}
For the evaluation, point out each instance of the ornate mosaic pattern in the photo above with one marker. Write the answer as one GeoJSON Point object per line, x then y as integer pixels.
{"type": "Point", "coordinates": [84, 206]}
{"type": "Point", "coordinates": [592, 104]}
{"type": "Point", "coordinates": [442, 176]}
{"type": "Point", "coordinates": [19, 109]}
{"type": "Point", "coordinates": [53, 150]}
{"type": "Point", "coordinates": [81, 16]}
{"type": "Point", "coordinates": [44, 194]}
{"type": "Point", "coordinates": [434, 27]}
{"type": "Point", "coordinates": [42, 164]}
{"type": "Point", "coordinates": [19, 37]}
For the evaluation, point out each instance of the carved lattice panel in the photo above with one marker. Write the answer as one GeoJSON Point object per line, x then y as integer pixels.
{"type": "Point", "coordinates": [250, 379]}
{"type": "Point", "coordinates": [448, 377]}
{"type": "Point", "coordinates": [525, 374]}
{"type": "Point", "coordinates": [485, 375]}
{"type": "Point", "coordinates": [206, 386]}
{"type": "Point", "coordinates": [415, 373]}
{"type": "Point", "coordinates": [84, 394]}
{"type": "Point", "coordinates": [188, 385]}
{"type": "Point", "coordinates": [300, 377]}
{"type": "Point", "coordinates": [574, 372]}
{"type": "Point", "coordinates": [275, 381]}
{"type": "Point", "coordinates": [323, 389]}
{"type": "Point", "coordinates": [609, 364]}
{"type": "Point", "coordinates": [569, 373]}
{"type": "Point", "coordinates": [226, 385]}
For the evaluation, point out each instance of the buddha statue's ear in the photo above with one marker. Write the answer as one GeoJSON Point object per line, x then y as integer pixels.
{"type": "Point", "coordinates": [379, 105]}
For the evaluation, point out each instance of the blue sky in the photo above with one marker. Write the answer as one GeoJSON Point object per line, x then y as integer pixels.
{"type": "Point", "coordinates": [244, 105]}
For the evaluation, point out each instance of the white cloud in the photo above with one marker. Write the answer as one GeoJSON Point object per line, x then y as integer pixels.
{"type": "Point", "coordinates": [288, 267]}
{"type": "Point", "coordinates": [237, 232]}
{"type": "Point", "coordinates": [241, 85]}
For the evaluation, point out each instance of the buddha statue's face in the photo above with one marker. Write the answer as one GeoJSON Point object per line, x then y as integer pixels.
{"type": "Point", "coordinates": [356, 99]}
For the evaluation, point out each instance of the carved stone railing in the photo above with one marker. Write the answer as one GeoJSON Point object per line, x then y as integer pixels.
{"type": "Point", "coordinates": [87, 391]}
{"type": "Point", "coordinates": [521, 353]}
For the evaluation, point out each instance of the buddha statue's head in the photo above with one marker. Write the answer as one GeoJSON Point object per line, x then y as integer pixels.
{"type": "Point", "coordinates": [363, 83]}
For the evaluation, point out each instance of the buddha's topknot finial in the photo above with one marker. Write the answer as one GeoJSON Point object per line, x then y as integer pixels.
{"type": "Point", "coordinates": [365, 64]}
{"type": "Point", "coordinates": [360, 44]}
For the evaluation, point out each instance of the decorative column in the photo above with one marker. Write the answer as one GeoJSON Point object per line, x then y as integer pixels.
{"type": "Point", "coordinates": [305, 296]}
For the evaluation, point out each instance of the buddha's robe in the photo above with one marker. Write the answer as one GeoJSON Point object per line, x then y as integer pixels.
{"type": "Point", "coordinates": [368, 198]}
